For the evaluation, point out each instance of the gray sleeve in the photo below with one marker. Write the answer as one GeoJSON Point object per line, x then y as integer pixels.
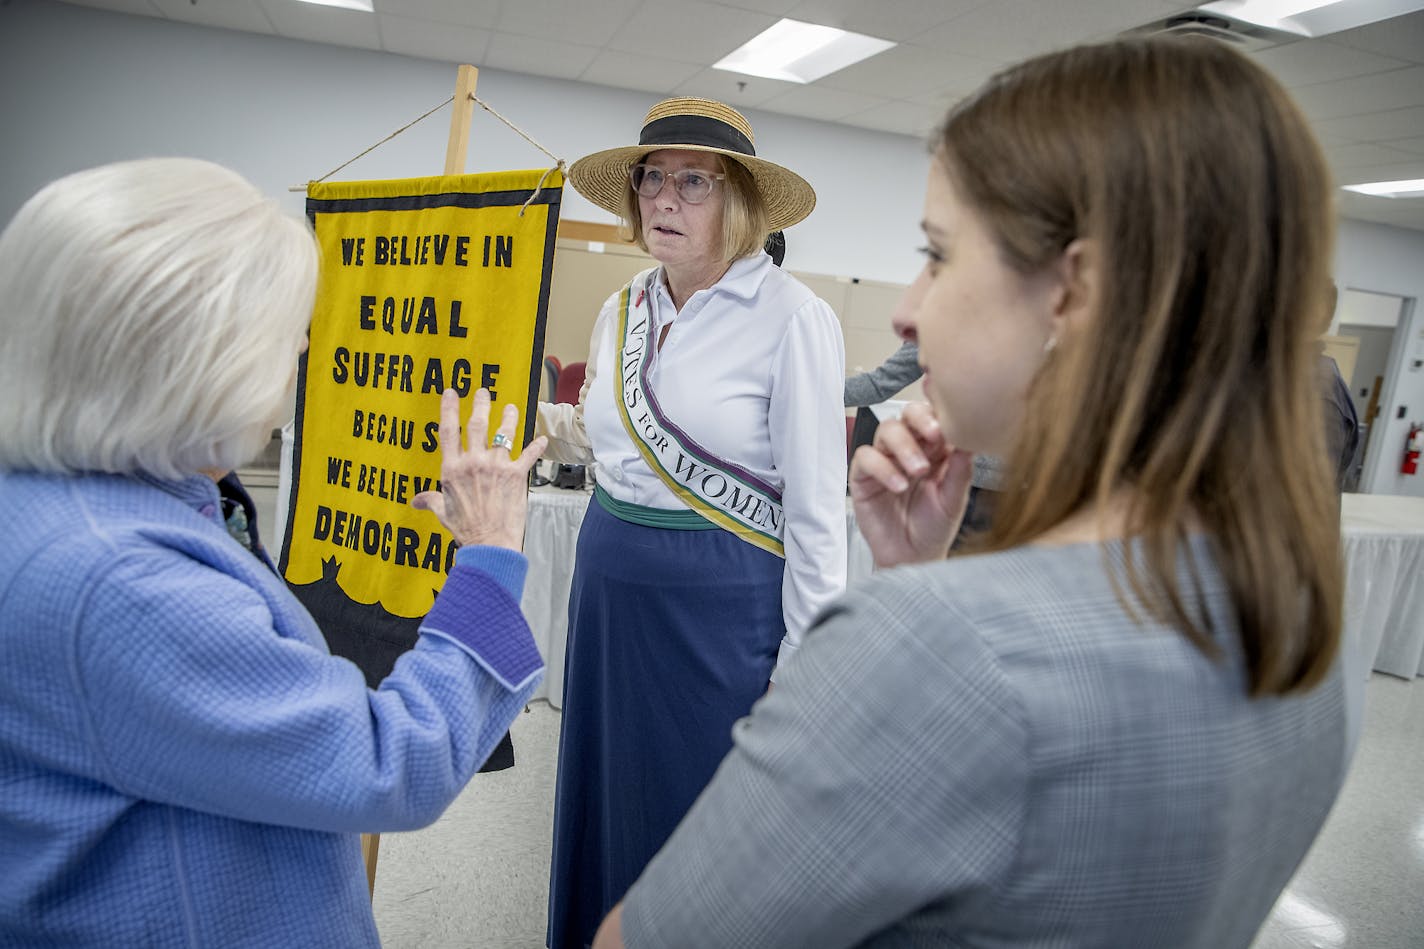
{"type": "Point", "coordinates": [885, 772]}
{"type": "Point", "coordinates": [880, 383]}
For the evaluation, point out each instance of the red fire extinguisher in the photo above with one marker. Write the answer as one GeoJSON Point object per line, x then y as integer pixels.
{"type": "Point", "coordinates": [1413, 443]}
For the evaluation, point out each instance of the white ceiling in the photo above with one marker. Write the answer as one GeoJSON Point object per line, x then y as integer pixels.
{"type": "Point", "coordinates": [1363, 89]}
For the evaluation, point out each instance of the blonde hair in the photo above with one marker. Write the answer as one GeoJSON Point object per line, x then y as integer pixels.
{"type": "Point", "coordinates": [1194, 385]}
{"type": "Point", "coordinates": [744, 220]}
{"type": "Point", "coordinates": [151, 313]}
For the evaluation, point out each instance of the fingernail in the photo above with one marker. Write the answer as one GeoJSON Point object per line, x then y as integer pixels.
{"type": "Point", "coordinates": [898, 484]}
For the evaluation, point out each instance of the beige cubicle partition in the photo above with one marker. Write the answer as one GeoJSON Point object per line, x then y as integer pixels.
{"type": "Point", "coordinates": [1344, 350]}
{"type": "Point", "coordinates": [587, 271]}
{"type": "Point", "coordinates": [585, 274]}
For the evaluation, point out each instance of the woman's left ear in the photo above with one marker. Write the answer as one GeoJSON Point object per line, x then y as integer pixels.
{"type": "Point", "coordinates": [1076, 295]}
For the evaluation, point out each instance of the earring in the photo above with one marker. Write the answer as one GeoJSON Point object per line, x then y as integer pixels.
{"type": "Point", "coordinates": [1050, 344]}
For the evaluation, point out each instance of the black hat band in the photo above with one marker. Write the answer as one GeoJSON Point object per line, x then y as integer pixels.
{"type": "Point", "coordinates": [675, 130]}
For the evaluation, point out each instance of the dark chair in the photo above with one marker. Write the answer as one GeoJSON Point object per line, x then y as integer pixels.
{"type": "Point", "coordinates": [552, 368]}
{"type": "Point", "coordinates": [862, 428]}
{"type": "Point", "coordinates": [570, 382]}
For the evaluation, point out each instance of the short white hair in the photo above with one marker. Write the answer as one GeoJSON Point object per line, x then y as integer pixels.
{"type": "Point", "coordinates": [151, 314]}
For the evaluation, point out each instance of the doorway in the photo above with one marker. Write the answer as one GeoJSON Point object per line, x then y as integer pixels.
{"type": "Point", "coordinates": [1372, 320]}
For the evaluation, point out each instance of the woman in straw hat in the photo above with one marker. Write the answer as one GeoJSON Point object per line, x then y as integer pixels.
{"type": "Point", "coordinates": [1122, 721]}
{"type": "Point", "coordinates": [711, 412]}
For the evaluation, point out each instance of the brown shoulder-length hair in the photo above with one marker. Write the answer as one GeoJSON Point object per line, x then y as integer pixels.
{"type": "Point", "coordinates": [1208, 203]}
{"type": "Point", "coordinates": [744, 221]}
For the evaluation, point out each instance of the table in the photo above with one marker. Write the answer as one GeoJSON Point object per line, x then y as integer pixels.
{"type": "Point", "coordinates": [1384, 581]}
{"type": "Point", "coordinates": [550, 536]}
{"type": "Point", "coordinates": [1384, 584]}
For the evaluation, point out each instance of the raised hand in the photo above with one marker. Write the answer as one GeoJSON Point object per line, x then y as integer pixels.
{"type": "Point", "coordinates": [909, 489]}
{"type": "Point", "coordinates": [484, 492]}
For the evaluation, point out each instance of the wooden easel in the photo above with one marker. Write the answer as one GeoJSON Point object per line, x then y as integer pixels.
{"type": "Point", "coordinates": [461, 112]}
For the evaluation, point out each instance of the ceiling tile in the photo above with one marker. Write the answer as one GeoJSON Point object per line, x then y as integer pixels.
{"type": "Point", "coordinates": [942, 102]}
{"type": "Point", "coordinates": [904, 118]}
{"type": "Point", "coordinates": [138, 7]}
{"type": "Point", "coordinates": [1379, 92]}
{"type": "Point", "coordinates": [817, 102]}
{"type": "Point", "coordinates": [1010, 30]}
{"type": "Point", "coordinates": [907, 71]}
{"type": "Point", "coordinates": [567, 21]}
{"type": "Point", "coordinates": [1331, 139]}
{"type": "Point", "coordinates": [1304, 64]}
{"type": "Point", "coordinates": [1406, 170]}
{"type": "Point", "coordinates": [474, 14]}
{"type": "Point", "coordinates": [429, 40]}
{"type": "Point", "coordinates": [638, 71]}
{"type": "Point", "coordinates": [1365, 155]}
{"type": "Point", "coordinates": [540, 57]}
{"type": "Point", "coordinates": [738, 91]}
{"type": "Point", "coordinates": [776, 8]}
{"type": "Point", "coordinates": [306, 21]}
{"type": "Point", "coordinates": [1375, 126]}
{"type": "Point", "coordinates": [1412, 145]}
{"type": "Point", "coordinates": [1399, 212]}
{"type": "Point", "coordinates": [688, 30]}
{"type": "Point", "coordinates": [1400, 38]}
{"type": "Point", "coordinates": [232, 15]}
{"type": "Point", "coordinates": [898, 20]}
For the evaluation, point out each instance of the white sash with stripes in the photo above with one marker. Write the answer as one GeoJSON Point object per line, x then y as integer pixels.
{"type": "Point", "coordinates": [725, 493]}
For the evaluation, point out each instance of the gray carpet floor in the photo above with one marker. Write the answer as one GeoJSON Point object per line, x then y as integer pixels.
{"type": "Point", "coordinates": [479, 876]}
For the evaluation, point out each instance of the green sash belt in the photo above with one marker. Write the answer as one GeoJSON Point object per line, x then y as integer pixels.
{"type": "Point", "coordinates": [683, 520]}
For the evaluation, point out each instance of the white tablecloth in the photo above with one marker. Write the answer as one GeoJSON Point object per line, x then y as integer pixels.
{"type": "Point", "coordinates": [550, 537]}
{"type": "Point", "coordinates": [1384, 586]}
{"type": "Point", "coordinates": [1384, 581]}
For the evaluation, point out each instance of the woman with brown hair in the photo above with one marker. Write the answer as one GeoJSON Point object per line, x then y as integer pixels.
{"type": "Point", "coordinates": [1120, 720]}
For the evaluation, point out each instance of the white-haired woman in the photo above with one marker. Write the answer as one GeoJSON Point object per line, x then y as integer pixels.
{"type": "Point", "coordinates": [712, 415]}
{"type": "Point", "coordinates": [183, 761]}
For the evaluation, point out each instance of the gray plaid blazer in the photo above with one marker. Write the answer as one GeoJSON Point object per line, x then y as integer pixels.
{"type": "Point", "coordinates": [989, 751]}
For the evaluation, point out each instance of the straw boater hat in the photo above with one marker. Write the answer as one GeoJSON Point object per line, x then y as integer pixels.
{"type": "Point", "coordinates": [698, 125]}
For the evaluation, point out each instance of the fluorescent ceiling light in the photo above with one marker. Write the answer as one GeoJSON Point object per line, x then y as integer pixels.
{"type": "Point", "coordinates": [800, 52]}
{"type": "Point", "coordinates": [1412, 188]}
{"type": "Point", "coordinates": [1312, 17]}
{"type": "Point", "coordinates": [363, 5]}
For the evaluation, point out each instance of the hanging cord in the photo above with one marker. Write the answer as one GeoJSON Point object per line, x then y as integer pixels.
{"type": "Point", "coordinates": [559, 164]}
{"type": "Point", "coordinates": [387, 138]}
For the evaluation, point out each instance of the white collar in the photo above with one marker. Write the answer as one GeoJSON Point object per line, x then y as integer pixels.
{"type": "Point", "coordinates": [743, 278]}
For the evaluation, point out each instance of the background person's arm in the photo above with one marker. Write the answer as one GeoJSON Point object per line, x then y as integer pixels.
{"type": "Point", "coordinates": [880, 383]}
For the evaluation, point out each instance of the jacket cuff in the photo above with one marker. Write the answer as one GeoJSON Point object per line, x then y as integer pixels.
{"type": "Point", "coordinates": [478, 614]}
{"type": "Point", "coordinates": [507, 567]}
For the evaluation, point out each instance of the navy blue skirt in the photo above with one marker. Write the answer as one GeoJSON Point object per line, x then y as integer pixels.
{"type": "Point", "coordinates": [672, 636]}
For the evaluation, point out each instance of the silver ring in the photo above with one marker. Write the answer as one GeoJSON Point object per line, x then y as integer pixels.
{"type": "Point", "coordinates": [502, 440]}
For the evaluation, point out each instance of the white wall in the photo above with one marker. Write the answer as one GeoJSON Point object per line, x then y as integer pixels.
{"type": "Point", "coordinates": [79, 87]}
{"type": "Point", "coordinates": [1383, 259]}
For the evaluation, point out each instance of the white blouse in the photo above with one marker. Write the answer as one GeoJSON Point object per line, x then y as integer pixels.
{"type": "Point", "coordinates": [752, 370]}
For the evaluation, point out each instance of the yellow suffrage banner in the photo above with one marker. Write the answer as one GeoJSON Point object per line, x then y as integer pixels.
{"type": "Point", "coordinates": [426, 284]}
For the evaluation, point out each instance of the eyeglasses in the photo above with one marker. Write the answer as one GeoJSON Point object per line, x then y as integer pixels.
{"type": "Point", "coordinates": [693, 186]}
